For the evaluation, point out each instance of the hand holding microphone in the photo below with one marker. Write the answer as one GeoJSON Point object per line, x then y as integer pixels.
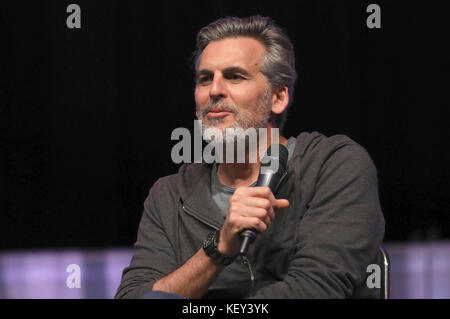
{"type": "Point", "coordinates": [252, 209]}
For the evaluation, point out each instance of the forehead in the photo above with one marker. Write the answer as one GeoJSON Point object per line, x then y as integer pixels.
{"type": "Point", "coordinates": [244, 52]}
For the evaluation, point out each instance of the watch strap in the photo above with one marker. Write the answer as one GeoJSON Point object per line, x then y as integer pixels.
{"type": "Point", "coordinates": [210, 248]}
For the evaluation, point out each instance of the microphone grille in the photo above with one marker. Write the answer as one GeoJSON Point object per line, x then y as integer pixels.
{"type": "Point", "coordinates": [279, 154]}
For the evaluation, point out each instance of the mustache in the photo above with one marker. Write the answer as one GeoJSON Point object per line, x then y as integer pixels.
{"type": "Point", "coordinates": [218, 105]}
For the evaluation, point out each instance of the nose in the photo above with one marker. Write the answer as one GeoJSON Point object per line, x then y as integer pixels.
{"type": "Point", "coordinates": [217, 89]}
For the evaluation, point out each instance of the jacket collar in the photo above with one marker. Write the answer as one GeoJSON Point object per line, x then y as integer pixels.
{"type": "Point", "coordinates": [196, 194]}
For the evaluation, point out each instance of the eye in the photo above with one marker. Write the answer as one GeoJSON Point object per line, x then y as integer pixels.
{"type": "Point", "coordinates": [234, 77]}
{"type": "Point", "coordinates": [203, 79]}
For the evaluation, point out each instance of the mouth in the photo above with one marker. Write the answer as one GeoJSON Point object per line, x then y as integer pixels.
{"type": "Point", "coordinates": [217, 112]}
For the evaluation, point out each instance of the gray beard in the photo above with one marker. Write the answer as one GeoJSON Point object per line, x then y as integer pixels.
{"type": "Point", "coordinates": [244, 120]}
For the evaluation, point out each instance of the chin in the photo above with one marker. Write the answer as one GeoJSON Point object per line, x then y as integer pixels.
{"type": "Point", "coordinates": [220, 124]}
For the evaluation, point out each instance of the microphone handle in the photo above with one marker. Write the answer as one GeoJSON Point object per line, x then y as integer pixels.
{"type": "Point", "coordinates": [248, 236]}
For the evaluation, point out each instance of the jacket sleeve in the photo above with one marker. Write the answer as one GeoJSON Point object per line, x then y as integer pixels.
{"type": "Point", "coordinates": [153, 255]}
{"type": "Point", "coordinates": [340, 232]}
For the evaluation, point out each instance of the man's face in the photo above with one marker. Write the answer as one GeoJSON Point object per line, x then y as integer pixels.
{"type": "Point", "coordinates": [231, 90]}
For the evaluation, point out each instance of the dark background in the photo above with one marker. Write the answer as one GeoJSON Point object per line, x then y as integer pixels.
{"type": "Point", "coordinates": [86, 114]}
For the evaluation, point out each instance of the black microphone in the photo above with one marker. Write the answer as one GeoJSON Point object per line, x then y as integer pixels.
{"type": "Point", "coordinates": [272, 172]}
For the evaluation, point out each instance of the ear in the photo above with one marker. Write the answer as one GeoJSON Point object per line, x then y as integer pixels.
{"type": "Point", "coordinates": [280, 100]}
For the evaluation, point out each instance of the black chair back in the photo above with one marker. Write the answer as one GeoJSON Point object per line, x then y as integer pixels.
{"type": "Point", "coordinates": [385, 265]}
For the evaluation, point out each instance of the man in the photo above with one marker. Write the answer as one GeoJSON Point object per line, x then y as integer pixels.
{"type": "Point", "coordinates": [316, 235]}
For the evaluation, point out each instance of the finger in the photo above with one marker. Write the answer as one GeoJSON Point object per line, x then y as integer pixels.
{"type": "Point", "coordinates": [254, 223]}
{"type": "Point", "coordinates": [261, 214]}
{"type": "Point", "coordinates": [257, 212]}
{"type": "Point", "coordinates": [238, 223]}
{"type": "Point", "coordinates": [282, 204]}
{"type": "Point", "coordinates": [263, 192]}
{"type": "Point", "coordinates": [261, 208]}
{"type": "Point", "coordinates": [268, 220]}
{"type": "Point", "coordinates": [271, 213]}
{"type": "Point", "coordinates": [272, 199]}
{"type": "Point", "coordinates": [257, 191]}
{"type": "Point", "coordinates": [240, 209]}
{"type": "Point", "coordinates": [254, 202]}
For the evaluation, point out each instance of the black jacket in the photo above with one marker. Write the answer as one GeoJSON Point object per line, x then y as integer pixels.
{"type": "Point", "coordinates": [319, 247]}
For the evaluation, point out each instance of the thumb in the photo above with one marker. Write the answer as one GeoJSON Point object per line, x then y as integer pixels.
{"type": "Point", "coordinates": [282, 204]}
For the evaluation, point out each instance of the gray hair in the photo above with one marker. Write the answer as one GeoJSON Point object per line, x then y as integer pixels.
{"type": "Point", "coordinates": [278, 65]}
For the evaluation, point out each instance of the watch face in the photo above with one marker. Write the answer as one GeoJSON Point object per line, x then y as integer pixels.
{"type": "Point", "coordinates": [208, 244]}
{"type": "Point", "coordinates": [210, 248]}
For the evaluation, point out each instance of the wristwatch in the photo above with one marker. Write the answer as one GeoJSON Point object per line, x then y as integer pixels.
{"type": "Point", "coordinates": [210, 248]}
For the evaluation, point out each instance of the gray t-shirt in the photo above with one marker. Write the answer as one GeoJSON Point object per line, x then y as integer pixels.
{"type": "Point", "coordinates": [221, 193]}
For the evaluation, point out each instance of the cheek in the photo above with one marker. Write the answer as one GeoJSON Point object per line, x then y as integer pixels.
{"type": "Point", "coordinates": [246, 98]}
{"type": "Point", "coordinates": [250, 92]}
{"type": "Point", "coordinates": [201, 97]}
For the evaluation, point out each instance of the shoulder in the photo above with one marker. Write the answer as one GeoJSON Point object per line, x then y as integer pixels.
{"type": "Point", "coordinates": [318, 152]}
{"type": "Point", "coordinates": [316, 144]}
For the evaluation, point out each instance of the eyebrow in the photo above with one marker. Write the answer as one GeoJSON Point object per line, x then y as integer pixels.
{"type": "Point", "coordinates": [229, 70]}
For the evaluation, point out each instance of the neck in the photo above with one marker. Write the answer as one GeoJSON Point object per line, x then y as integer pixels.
{"type": "Point", "coordinates": [244, 174]}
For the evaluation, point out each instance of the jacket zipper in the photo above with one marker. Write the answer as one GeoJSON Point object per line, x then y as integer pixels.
{"type": "Point", "coordinates": [252, 275]}
{"type": "Point", "coordinates": [193, 214]}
